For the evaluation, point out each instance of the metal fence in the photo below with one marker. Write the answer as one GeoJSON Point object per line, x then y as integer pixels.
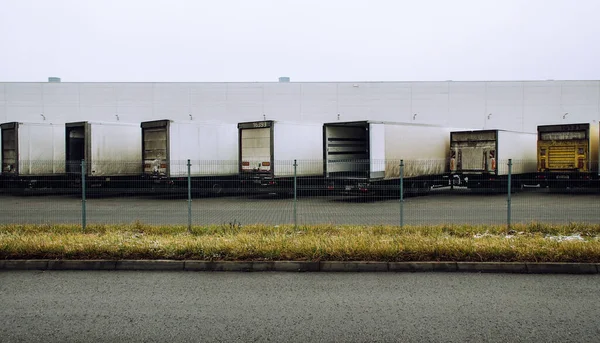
{"type": "Point", "coordinates": [297, 192]}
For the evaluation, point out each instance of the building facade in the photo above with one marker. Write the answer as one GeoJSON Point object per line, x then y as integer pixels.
{"type": "Point", "coordinates": [510, 105]}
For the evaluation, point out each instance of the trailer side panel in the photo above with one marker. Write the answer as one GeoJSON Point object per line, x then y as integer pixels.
{"type": "Point", "coordinates": [301, 142]}
{"type": "Point", "coordinates": [211, 149]}
{"type": "Point", "coordinates": [41, 149]}
{"type": "Point", "coordinates": [521, 148]}
{"type": "Point", "coordinates": [425, 150]}
{"type": "Point", "coordinates": [115, 149]}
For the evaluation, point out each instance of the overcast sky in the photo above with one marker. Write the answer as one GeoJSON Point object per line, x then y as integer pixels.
{"type": "Point", "coordinates": [310, 40]}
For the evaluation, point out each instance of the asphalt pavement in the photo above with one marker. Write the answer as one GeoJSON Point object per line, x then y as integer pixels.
{"type": "Point", "coordinates": [55, 306]}
{"type": "Point", "coordinates": [442, 208]}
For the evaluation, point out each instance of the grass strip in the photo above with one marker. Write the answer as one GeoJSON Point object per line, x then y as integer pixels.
{"type": "Point", "coordinates": [233, 242]}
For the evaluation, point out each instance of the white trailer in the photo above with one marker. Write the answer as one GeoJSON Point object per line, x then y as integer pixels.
{"type": "Point", "coordinates": [479, 158]}
{"type": "Point", "coordinates": [267, 150]}
{"type": "Point", "coordinates": [33, 154]}
{"type": "Point", "coordinates": [366, 155]}
{"type": "Point", "coordinates": [112, 151]}
{"type": "Point", "coordinates": [212, 149]}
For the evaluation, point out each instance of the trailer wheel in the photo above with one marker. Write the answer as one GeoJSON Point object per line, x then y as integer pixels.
{"type": "Point", "coordinates": [426, 188]}
{"type": "Point", "coordinates": [216, 189]}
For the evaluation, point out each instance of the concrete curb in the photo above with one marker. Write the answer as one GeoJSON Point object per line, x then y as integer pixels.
{"type": "Point", "coordinates": [304, 266]}
{"type": "Point", "coordinates": [352, 266]}
{"type": "Point", "coordinates": [492, 267]}
{"type": "Point", "coordinates": [25, 265]}
{"type": "Point", "coordinates": [562, 268]}
{"type": "Point", "coordinates": [157, 265]}
{"type": "Point", "coordinates": [82, 265]}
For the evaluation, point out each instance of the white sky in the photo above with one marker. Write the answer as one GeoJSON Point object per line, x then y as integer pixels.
{"type": "Point", "coordinates": [310, 40]}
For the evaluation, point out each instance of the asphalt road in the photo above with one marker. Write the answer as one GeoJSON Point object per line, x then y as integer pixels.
{"type": "Point", "coordinates": [457, 208]}
{"type": "Point", "coordinates": [297, 307]}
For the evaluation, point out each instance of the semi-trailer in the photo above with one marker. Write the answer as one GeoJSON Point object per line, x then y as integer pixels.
{"type": "Point", "coordinates": [479, 158]}
{"type": "Point", "coordinates": [112, 153]}
{"type": "Point", "coordinates": [33, 155]}
{"type": "Point", "coordinates": [568, 155]}
{"type": "Point", "coordinates": [365, 156]}
{"type": "Point", "coordinates": [268, 149]}
{"type": "Point", "coordinates": [212, 149]}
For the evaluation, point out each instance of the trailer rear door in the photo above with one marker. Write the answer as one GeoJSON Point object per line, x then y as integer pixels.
{"type": "Point", "coordinates": [563, 150]}
{"type": "Point", "coordinates": [155, 150]}
{"type": "Point", "coordinates": [473, 151]}
{"type": "Point", "coordinates": [9, 149]}
{"type": "Point", "coordinates": [347, 150]}
{"type": "Point", "coordinates": [256, 149]}
{"type": "Point", "coordinates": [75, 148]}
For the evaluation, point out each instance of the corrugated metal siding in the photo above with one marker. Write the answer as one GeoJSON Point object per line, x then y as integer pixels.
{"type": "Point", "coordinates": [515, 105]}
{"type": "Point", "coordinates": [467, 103]}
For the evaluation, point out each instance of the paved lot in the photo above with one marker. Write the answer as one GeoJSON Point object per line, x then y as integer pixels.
{"type": "Point", "coordinates": [432, 209]}
{"type": "Point", "coordinates": [297, 307]}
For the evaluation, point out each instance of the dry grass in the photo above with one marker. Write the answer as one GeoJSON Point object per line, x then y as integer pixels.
{"type": "Point", "coordinates": [319, 242]}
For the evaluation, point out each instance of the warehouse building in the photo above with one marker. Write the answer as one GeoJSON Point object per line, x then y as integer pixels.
{"type": "Point", "coordinates": [511, 105]}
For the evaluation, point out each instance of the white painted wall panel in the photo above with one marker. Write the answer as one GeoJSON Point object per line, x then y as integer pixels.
{"type": "Point", "coordinates": [580, 92]}
{"type": "Point", "coordinates": [24, 94]}
{"type": "Point", "coordinates": [542, 104]}
{"type": "Point", "coordinates": [209, 102]}
{"type": "Point", "coordinates": [97, 113]}
{"type": "Point", "coordinates": [430, 102]}
{"type": "Point", "coordinates": [245, 101]}
{"type": "Point", "coordinates": [282, 101]}
{"type": "Point", "coordinates": [97, 102]}
{"type": "Point", "coordinates": [390, 101]}
{"type": "Point", "coordinates": [171, 94]}
{"type": "Point", "coordinates": [60, 94]}
{"type": "Point", "coordinates": [519, 105]}
{"type": "Point", "coordinates": [97, 94]}
{"type": "Point", "coordinates": [134, 102]}
{"type": "Point", "coordinates": [504, 106]}
{"type": "Point", "coordinates": [61, 113]}
{"type": "Point", "coordinates": [353, 101]}
{"type": "Point", "coordinates": [547, 93]}
{"type": "Point", "coordinates": [134, 94]}
{"type": "Point", "coordinates": [581, 100]}
{"type": "Point", "coordinates": [136, 113]}
{"type": "Point", "coordinates": [467, 104]}
{"type": "Point", "coordinates": [319, 102]}
{"type": "Point", "coordinates": [24, 113]}
{"type": "Point", "coordinates": [542, 115]}
{"type": "Point", "coordinates": [172, 101]}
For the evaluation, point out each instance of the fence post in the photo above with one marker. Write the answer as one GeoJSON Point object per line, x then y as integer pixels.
{"type": "Point", "coordinates": [401, 193]}
{"type": "Point", "coordinates": [509, 191]}
{"type": "Point", "coordinates": [189, 189]}
{"type": "Point", "coordinates": [83, 209]}
{"type": "Point", "coordinates": [295, 195]}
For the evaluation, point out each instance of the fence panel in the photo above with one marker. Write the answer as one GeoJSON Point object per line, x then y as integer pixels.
{"type": "Point", "coordinates": [357, 192]}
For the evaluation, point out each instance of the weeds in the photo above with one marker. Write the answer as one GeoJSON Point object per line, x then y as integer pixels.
{"type": "Point", "coordinates": [234, 241]}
